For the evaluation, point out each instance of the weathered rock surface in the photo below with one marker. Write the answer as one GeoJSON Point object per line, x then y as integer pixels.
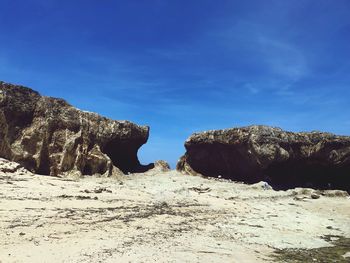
{"type": "Point", "coordinates": [161, 166]}
{"type": "Point", "coordinates": [48, 136]}
{"type": "Point", "coordinates": [8, 167]}
{"type": "Point", "coordinates": [261, 153]}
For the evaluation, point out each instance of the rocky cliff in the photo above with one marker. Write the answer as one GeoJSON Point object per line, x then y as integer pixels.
{"type": "Point", "coordinates": [256, 153]}
{"type": "Point", "coordinates": [50, 137]}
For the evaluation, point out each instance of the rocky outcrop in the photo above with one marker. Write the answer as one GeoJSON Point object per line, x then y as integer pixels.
{"type": "Point", "coordinates": [161, 166]}
{"type": "Point", "coordinates": [261, 153]}
{"type": "Point", "coordinates": [50, 137]}
{"type": "Point", "coordinates": [8, 167]}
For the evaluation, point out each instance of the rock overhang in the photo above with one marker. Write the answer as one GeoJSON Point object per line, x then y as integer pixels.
{"type": "Point", "coordinates": [254, 153]}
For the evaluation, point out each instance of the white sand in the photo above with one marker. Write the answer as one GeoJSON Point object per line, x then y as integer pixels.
{"type": "Point", "coordinates": [158, 217]}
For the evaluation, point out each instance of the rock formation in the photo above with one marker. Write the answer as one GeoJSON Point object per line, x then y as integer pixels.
{"type": "Point", "coordinates": [261, 153]}
{"type": "Point", "coordinates": [161, 166]}
{"type": "Point", "coordinates": [50, 137]}
{"type": "Point", "coordinates": [8, 167]}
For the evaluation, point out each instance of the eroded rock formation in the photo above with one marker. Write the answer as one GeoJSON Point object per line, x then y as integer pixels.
{"type": "Point", "coordinates": [48, 136]}
{"type": "Point", "coordinates": [161, 166]}
{"type": "Point", "coordinates": [8, 167]}
{"type": "Point", "coordinates": [256, 153]}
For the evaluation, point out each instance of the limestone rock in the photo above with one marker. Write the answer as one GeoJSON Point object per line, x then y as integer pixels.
{"type": "Point", "coordinates": [48, 136]}
{"type": "Point", "coordinates": [8, 167]}
{"type": "Point", "coordinates": [261, 153]}
{"type": "Point", "coordinates": [162, 166]}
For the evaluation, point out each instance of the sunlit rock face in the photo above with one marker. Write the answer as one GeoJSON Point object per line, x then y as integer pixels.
{"type": "Point", "coordinates": [262, 153]}
{"type": "Point", "coordinates": [48, 136]}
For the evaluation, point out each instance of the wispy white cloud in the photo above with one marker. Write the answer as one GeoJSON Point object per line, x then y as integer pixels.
{"type": "Point", "coordinates": [280, 63]}
{"type": "Point", "coordinates": [283, 58]}
{"type": "Point", "coordinates": [252, 88]}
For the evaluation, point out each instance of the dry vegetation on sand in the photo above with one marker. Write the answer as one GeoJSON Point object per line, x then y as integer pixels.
{"type": "Point", "coordinates": [166, 217]}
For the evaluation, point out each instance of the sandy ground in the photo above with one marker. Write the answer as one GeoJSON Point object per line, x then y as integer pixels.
{"type": "Point", "coordinates": [158, 217]}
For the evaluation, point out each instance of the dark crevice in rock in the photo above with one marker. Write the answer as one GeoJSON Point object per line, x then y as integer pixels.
{"type": "Point", "coordinates": [144, 168]}
{"type": "Point", "coordinates": [287, 175]}
{"type": "Point", "coordinates": [216, 160]}
{"type": "Point", "coordinates": [87, 170]}
{"type": "Point", "coordinates": [124, 155]}
{"type": "Point", "coordinates": [44, 160]}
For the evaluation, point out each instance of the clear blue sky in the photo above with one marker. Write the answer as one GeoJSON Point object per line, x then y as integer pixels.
{"type": "Point", "coordinates": [182, 66]}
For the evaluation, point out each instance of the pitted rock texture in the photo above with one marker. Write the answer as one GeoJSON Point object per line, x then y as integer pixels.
{"type": "Point", "coordinates": [262, 153]}
{"type": "Point", "coordinates": [48, 136]}
{"type": "Point", "coordinates": [8, 167]}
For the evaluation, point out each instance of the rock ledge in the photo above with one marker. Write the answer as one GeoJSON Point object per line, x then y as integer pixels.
{"type": "Point", "coordinates": [262, 153]}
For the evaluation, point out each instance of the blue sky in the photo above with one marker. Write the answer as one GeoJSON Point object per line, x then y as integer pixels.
{"type": "Point", "coordinates": [182, 66]}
